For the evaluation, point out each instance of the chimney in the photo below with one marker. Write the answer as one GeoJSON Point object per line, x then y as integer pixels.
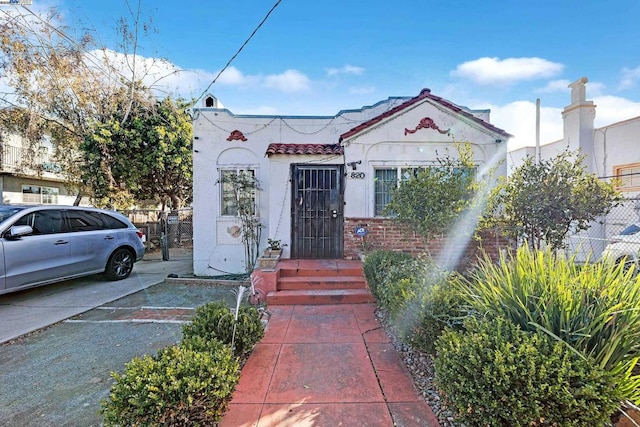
{"type": "Point", "coordinates": [578, 128]}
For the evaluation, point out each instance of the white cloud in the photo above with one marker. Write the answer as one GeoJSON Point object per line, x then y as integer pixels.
{"type": "Point", "coordinates": [490, 71]}
{"type": "Point", "coordinates": [162, 76]}
{"type": "Point", "coordinates": [519, 119]}
{"type": "Point", "coordinates": [289, 81]}
{"type": "Point", "coordinates": [562, 86]}
{"type": "Point", "coordinates": [347, 69]}
{"type": "Point", "coordinates": [362, 90]}
{"type": "Point", "coordinates": [555, 86]}
{"type": "Point", "coordinates": [613, 109]}
{"type": "Point", "coordinates": [630, 77]}
{"type": "Point", "coordinates": [233, 77]}
{"type": "Point", "coordinates": [166, 78]}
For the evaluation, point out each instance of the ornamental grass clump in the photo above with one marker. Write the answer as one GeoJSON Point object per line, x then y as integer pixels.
{"type": "Point", "coordinates": [594, 309]}
{"type": "Point", "coordinates": [492, 373]}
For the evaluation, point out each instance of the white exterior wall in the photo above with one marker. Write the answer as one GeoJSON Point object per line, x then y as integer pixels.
{"type": "Point", "coordinates": [214, 247]}
{"type": "Point", "coordinates": [605, 149]}
{"type": "Point", "coordinates": [217, 250]}
{"type": "Point", "coordinates": [388, 146]}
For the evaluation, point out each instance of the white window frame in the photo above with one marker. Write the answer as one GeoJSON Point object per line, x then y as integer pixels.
{"type": "Point", "coordinates": [402, 174]}
{"type": "Point", "coordinates": [44, 195]}
{"type": "Point", "coordinates": [237, 170]}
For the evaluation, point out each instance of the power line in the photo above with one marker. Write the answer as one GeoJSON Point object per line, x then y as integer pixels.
{"type": "Point", "coordinates": [239, 50]}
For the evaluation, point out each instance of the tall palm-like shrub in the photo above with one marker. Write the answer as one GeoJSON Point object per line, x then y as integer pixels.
{"type": "Point", "coordinates": [594, 308]}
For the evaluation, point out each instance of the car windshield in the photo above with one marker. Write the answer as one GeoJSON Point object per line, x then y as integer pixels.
{"type": "Point", "coordinates": [632, 229]}
{"type": "Point", "coordinates": [7, 212]}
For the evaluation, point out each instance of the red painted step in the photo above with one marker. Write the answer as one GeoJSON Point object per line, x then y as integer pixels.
{"type": "Point", "coordinates": [346, 271]}
{"type": "Point", "coordinates": [318, 297]}
{"type": "Point", "coordinates": [320, 282]}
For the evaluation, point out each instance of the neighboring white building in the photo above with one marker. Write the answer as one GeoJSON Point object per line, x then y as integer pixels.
{"type": "Point", "coordinates": [322, 178]}
{"type": "Point", "coordinates": [30, 175]}
{"type": "Point", "coordinates": [612, 152]}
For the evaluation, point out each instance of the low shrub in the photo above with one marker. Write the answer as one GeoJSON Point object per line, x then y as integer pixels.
{"type": "Point", "coordinates": [179, 386]}
{"type": "Point", "coordinates": [382, 267]}
{"type": "Point", "coordinates": [593, 308]}
{"type": "Point", "coordinates": [434, 309]}
{"type": "Point", "coordinates": [416, 293]}
{"type": "Point", "coordinates": [495, 374]}
{"type": "Point", "coordinates": [393, 277]}
{"type": "Point", "coordinates": [214, 321]}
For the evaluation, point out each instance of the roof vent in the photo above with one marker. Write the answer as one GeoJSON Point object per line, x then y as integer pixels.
{"type": "Point", "coordinates": [210, 101]}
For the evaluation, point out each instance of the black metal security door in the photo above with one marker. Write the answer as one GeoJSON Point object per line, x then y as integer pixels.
{"type": "Point", "coordinates": [317, 211]}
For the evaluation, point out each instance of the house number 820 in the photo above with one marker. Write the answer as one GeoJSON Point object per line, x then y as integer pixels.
{"type": "Point", "coordinates": [357, 175]}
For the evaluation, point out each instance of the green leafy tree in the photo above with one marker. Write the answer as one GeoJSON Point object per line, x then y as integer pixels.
{"type": "Point", "coordinates": [140, 154]}
{"type": "Point", "coordinates": [432, 198]}
{"type": "Point", "coordinates": [63, 85]}
{"type": "Point", "coordinates": [542, 202]}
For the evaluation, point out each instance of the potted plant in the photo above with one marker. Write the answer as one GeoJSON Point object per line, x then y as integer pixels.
{"type": "Point", "coordinates": [274, 248]}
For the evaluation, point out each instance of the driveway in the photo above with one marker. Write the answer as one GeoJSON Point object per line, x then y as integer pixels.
{"type": "Point", "coordinates": [58, 376]}
{"type": "Point", "coordinates": [30, 310]}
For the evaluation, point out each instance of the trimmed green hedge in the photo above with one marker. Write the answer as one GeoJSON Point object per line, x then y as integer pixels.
{"type": "Point", "coordinates": [495, 374]}
{"type": "Point", "coordinates": [190, 384]}
{"type": "Point", "coordinates": [214, 321]}
{"type": "Point", "coordinates": [415, 292]}
{"type": "Point", "coordinates": [177, 387]}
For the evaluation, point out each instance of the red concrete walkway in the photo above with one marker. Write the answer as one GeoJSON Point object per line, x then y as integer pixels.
{"type": "Point", "coordinates": [326, 365]}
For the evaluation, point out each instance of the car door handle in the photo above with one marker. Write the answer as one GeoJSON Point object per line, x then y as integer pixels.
{"type": "Point", "coordinates": [108, 237]}
{"type": "Point", "coordinates": [61, 242]}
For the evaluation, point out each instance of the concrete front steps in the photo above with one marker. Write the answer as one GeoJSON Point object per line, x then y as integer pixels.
{"type": "Point", "coordinates": [316, 282]}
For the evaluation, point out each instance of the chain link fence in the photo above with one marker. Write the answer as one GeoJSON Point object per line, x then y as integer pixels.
{"type": "Point", "coordinates": [615, 236]}
{"type": "Point", "coordinates": [164, 230]}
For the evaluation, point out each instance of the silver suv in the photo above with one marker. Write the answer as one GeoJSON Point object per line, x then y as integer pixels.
{"type": "Point", "coordinates": [40, 245]}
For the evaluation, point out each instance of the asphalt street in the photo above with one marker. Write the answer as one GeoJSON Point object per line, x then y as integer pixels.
{"type": "Point", "coordinates": [58, 375]}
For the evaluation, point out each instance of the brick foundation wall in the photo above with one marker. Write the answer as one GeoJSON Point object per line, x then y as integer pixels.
{"type": "Point", "coordinates": [384, 233]}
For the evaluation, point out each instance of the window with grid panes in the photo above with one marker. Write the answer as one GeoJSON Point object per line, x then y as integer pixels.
{"type": "Point", "coordinates": [387, 178]}
{"type": "Point", "coordinates": [628, 177]}
{"type": "Point", "coordinates": [384, 180]}
{"type": "Point", "coordinates": [229, 202]}
{"type": "Point", "coordinates": [40, 195]}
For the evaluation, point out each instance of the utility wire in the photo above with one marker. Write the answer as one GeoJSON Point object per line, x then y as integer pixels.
{"type": "Point", "coordinates": [239, 50]}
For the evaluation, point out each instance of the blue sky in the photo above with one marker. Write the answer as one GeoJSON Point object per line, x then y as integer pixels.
{"type": "Point", "coordinates": [317, 58]}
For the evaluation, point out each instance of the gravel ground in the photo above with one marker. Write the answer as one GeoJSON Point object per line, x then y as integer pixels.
{"type": "Point", "coordinates": [420, 365]}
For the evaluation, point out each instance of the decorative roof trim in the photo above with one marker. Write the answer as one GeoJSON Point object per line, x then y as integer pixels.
{"type": "Point", "coordinates": [236, 135]}
{"type": "Point", "coordinates": [426, 123]}
{"type": "Point", "coordinates": [298, 149]}
{"type": "Point", "coordinates": [424, 95]}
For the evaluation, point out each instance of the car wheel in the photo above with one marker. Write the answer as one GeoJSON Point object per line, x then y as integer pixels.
{"type": "Point", "coordinates": [119, 265]}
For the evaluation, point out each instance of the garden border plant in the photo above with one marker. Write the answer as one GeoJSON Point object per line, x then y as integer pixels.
{"type": "Point", "coordinates": [190, 383]}
{"type": "Point", "coordinates": [495, 374]}
{"type": "Point", "coordinates": [561, 302]}
{"type": "Point", "coordinates": [593, 308]}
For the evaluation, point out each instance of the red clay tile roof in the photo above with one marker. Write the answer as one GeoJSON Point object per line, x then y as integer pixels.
{"type": "Point", "coordinates": [424, 94]}
{"type": "Point", "coordinates": [304, 149]}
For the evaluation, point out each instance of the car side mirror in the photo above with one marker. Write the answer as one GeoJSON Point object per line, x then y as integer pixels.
{"type": "Point", "coordinates": [17, 231]}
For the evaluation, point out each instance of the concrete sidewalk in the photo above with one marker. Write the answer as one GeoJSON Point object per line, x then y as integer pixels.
{"type": "Point", "coordinates": [326, 365]}
{"type": "Point", "coordinates": [33, 309]}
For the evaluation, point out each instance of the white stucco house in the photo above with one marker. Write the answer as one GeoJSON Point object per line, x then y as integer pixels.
{"type": "Point", "coordinates": [612, 152]}
{"type": "Point", "coordinates": [324, 179]}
